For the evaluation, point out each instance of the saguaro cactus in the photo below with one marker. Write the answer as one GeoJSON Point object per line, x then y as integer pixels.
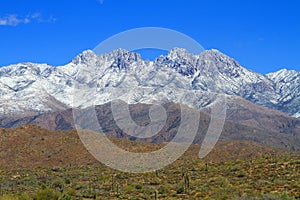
{"type": "Point", "coordinates": [187, 183]}
{"type": "Point", "coordinates": [156, 195]}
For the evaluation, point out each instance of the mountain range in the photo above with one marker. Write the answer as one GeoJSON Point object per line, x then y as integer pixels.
{"type": "Point", "coordinates": [29, 87]}
{"type": "Point", "coordinates": [266, 108]}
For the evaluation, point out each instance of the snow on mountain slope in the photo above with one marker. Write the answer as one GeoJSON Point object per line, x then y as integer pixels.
{"type": "Point", "coordinates": [222, 74]}
{"type": "Point", "coordinates": [124, 75]}
{"type": "Point", "coordinates": [287, 87]}
{"type": "Point", "coordinates": [27, 88]}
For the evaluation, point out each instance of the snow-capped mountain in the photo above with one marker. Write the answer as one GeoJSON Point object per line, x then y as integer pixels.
{"type": "Point", "coordinates": [91, 79]}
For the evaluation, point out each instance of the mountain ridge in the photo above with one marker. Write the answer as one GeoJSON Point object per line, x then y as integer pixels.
{"type": "Point", "coordinates": [210, 71]}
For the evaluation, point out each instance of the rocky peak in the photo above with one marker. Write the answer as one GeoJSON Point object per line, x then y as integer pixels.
{"type": "Point", "coordinates": [85, 57]}
{"type": "Point", "coordinates": [179, 53]}
{"type": "Point", "coordinates": [122, 54]}
{"type": "Point", "coordinates": [282, 74]}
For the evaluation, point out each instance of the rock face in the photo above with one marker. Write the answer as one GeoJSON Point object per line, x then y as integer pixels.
{"type": "Point", "coordinates": [28, 88]}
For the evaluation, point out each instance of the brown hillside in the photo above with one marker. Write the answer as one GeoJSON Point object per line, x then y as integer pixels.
{"type": "Point", "coordinates": [31, 146]}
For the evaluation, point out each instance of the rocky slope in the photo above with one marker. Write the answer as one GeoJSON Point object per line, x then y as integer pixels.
{"type": "Point", "coordinates": [245, 121]}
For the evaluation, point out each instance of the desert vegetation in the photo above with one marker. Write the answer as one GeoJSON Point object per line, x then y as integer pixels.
{"type": "Point", "coordinates": [54, 165]}
{"type": "Point", "coordinates": [267, 177]}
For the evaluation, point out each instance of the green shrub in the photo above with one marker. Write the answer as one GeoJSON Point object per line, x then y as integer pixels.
{"type": "Point", "coordinates": [9, 197]}
{"type": "Point", "coordinates": [179, 189]}
{"type": "Point", "coordinates": [286, 196]}
{"type": "Point", "coordinates": [91, 194]}
{"type": "Point", "coordinates": [138, 187]}
{"type": "Point", "coordinates": [67, 181]}
{"type": "Point", "coordinates": [162, 189]}
{"type": "Point", "coordinates": [66, 197]}
{"type": "Point", "coordinates": [47, 193]}
{"type": "Point", "coordinates": [58, 185]}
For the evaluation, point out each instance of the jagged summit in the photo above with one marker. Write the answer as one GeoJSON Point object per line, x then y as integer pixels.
{"type": "Point", "coordinates": [214, 52]}
{"type": "Point", "coordinates": [282, 73]}
{"type": "Point", "coordinates": [125, 75]}
{"type": "Point", "coordinates": [179, 53]}
{"type": "Point", "coordinates": [174, 54]}
{"type": "Point", "coordinates": [127, 55]}
{"type": "Point", "coordinates": [84, 57]}
{"type": "Point", "coordinates": [218, 56]}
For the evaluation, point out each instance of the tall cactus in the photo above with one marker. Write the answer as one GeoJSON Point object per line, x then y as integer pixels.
{"type": "Point", "coordinates": [112, 182]}
{"type": "Point", "coordinates": [187, 183]}
{"type": "Point", "coordinates": [156, 195]}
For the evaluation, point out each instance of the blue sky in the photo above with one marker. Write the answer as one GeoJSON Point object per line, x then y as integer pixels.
{"type": "Point", "coordinates": [263, 35]}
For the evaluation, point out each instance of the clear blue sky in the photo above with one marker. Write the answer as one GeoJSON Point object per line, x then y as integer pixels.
{"type": "Point", "coordinates": [263, 35]}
